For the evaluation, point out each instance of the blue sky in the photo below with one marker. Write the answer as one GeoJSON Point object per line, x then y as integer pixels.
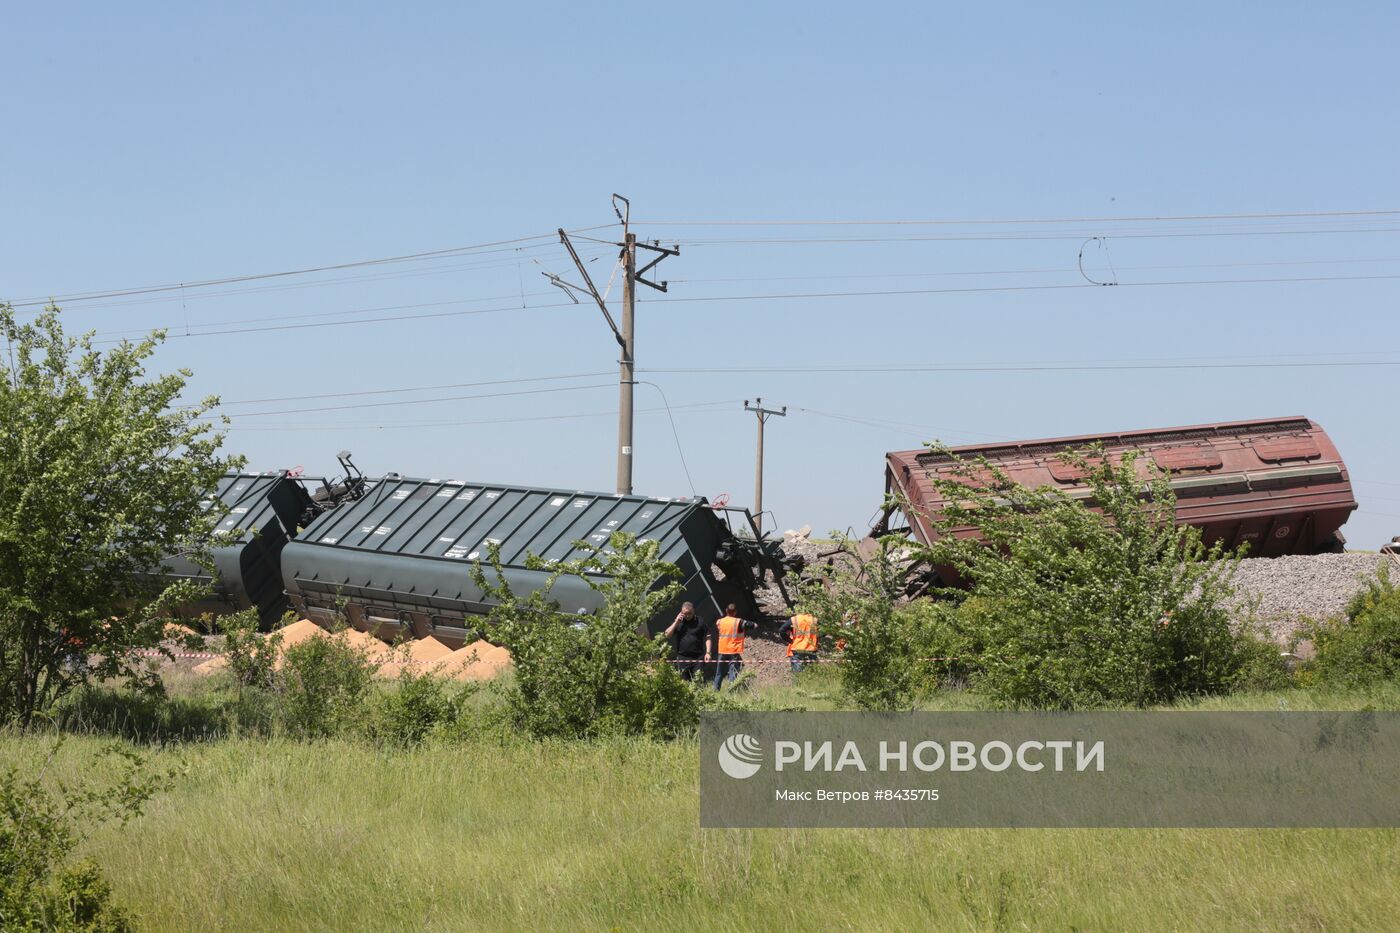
{"type": "Point", "coordinates": [152, 144]}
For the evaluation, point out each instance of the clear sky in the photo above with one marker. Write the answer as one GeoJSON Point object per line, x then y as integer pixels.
{"type": "Point", "coordinates": [151, 144]}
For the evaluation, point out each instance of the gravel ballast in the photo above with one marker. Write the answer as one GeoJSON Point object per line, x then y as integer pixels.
{"type": "Point", "coordinates": [1285, 590]}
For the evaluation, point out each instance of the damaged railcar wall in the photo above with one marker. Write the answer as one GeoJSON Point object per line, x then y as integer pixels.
{"type": "Point", "coordinates": [263, 512]}
{"type": "Point", "coordinates": [1278, 485]}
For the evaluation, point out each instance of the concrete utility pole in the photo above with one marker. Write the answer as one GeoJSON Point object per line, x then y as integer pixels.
{"type": "Point", "coordinates": [626, 336]}
{"type": "Point", "coordinates": [626, 375]}
{"type": "Point", "coordinates": [763, 416]}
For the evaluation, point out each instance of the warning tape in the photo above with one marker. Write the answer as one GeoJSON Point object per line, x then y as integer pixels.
{"type": "Point", "coordinates": [802, 660]}
{"type": "Point", "coordinates": [209, 655]}
{"type": "Point", "coordinates": [153, 653]}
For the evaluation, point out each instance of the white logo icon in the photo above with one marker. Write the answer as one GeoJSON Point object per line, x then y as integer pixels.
{"type": "Point", "coordinates": [740, 756]}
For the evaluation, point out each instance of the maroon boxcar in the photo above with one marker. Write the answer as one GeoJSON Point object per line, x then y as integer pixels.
{"type": "Point", "coordinates": [1277, 484]}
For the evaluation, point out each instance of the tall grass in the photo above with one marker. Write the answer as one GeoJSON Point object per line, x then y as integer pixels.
{"type": "Point", "coordinates": [340, 835]}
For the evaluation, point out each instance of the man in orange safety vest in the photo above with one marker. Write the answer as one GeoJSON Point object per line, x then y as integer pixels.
{"type": "Point", "coordinates": [730, 634]}
{"type": "Point", "coordinates": [801, 634]}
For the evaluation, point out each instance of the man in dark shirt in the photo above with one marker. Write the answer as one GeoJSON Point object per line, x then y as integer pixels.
{"type": "Point", "coordinates": [693, 641]}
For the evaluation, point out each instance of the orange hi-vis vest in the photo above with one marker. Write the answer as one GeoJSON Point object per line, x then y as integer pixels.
{"type": "Point", "coordinates": [731, 635]}
{"type": "Point", "coordinates": [804, 633]}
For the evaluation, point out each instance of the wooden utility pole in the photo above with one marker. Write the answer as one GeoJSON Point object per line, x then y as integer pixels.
{"type": "Point", "coordinates": [626, 336]}
{"type": "Point", "coordinates": [763, 415]}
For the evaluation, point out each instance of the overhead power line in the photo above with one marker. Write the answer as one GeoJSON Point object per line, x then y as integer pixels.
{"type": "Point", "coordinates": [1028, 288]}
{"type": "Point", "coordinates": [453, 385]}
{"type": "Point", "coordinates": [501, 309]}
{"type": "Point", "coordinates": [1066, 269]}
{"type": "Point", "coordinates": [258, 276]}
{"type": "Point", "coordinates": [610, 413]}
{"type": "Point", "coordinates": [1018, 368]}
{"type": "Point", "coordinates": [766, 297]}
{"type": "Point", "coordinates": [418, 401]}
{"type": "Point", "coordinates": [592, 255]}
{"type": "Point", "coordinates": [1165, 218]}
{"type": "Point", "coordinates": [999, 237]}
{"type": "Point", "coordinates": [506, 245]}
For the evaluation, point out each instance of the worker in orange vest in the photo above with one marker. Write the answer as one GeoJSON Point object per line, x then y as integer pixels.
{"type": "Point", "coordinates": [801, 634]}
{"type": "Point", "coordinates": [730, 634]}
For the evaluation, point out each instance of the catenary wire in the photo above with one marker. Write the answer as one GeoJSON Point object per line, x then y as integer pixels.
{"type": "Point", "coordinates": [419, 401]}
{"type": "Point", "coordinates": [692, 406]}
{"type": "Point", "coordinates": [791, 296]}
{"type": "Point", "coordinates": [477, 248]}
{"type": "Point", "coordinates": [1040, 271]}
{"type": "Point", "coordinates": [674, 433]}
{"type": "Point", "coordinates": [1000, 237]}
{"type": "Point", "coordinates": [145, 301]}
{"type": "Point", "coordinates": [393, 391]}
{"type": "Point", "coordinates": [513, 243]}
{"type": "Point", "coordinates": [1014, 369]}
{"type": "Point", "coordinates": [1165, 218]}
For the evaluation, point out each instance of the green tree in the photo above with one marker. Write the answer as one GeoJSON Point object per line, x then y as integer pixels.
{"type": "Point", "coordinates": [1081, 607]}
{"type": "Point", "coordinates": [102, 474]}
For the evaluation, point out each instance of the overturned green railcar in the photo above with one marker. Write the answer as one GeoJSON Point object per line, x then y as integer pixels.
{"type": "Point", "coordinates": [399, 559]}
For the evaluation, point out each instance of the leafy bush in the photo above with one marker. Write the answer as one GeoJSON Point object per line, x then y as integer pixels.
{"type": "Point", "coordinates": [40, 889]}
{"type": "Point", "coordinates": [886, 646]}
{"type": "Point", "coordinates": [324, 686]}
{"type": "Point", "coordinates": [581, 676]}
{"type": "Point", "coordinates": [1260, 665]}
{"type": "Point", "coordinates": [663, 706]}
{"type": "Point", "coordinates": [1081, 608]}
{"type": "Point", "coordinates": [251, 656]}
{"type": "Point", "coordinates": [1363, 647]}
{"type": "Point", "coordinates": [417, 706]}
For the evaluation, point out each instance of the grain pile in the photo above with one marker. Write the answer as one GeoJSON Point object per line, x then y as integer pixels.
{"type": "Point", "coordinates": [417, 656]}
{"type": "Point", "coordinates": [479, 660]}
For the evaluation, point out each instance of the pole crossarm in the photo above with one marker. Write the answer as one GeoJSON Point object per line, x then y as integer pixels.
{"type": "Point", "coordinates": [763, 413]}
{"type": "Point", "coordinates": [662, 252]}
{"type": "Point", "coordinates": [592, 289]}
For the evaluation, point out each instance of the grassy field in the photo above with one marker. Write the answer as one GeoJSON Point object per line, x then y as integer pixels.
{"type": "Point", "coordinates": [340, 835]}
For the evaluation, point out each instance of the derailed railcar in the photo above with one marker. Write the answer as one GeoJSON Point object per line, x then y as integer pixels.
{"type": "Point", "coordinates": [264, 511]}
{"type": "Point", "coordinates": [399, 560]}
{"type": "Point", "coordinates": [1278, 485]}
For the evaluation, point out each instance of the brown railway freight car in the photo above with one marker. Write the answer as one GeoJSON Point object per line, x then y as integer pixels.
{"type": "Point", "coordinates": [1278, 484]}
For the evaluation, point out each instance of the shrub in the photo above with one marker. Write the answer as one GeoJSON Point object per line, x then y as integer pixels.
{"type": "Point", "coordinates": [663, 706]}
{"type": "Point", "coordinates": [251, 656]}
{"type": "Point", "coordinates": [1363, 647]}
{"type": "Point", "coordinates": [40, 889]}
{"type": "Point", "coordinates": [578, 676]}
{"type": "Point", "coordinates": [416, 706]}
{"type": "Point", "coordinates": [1082, 608]}
{"type": "Point", "coordinates": [886, 646]}
{"type": "Point", "coordinates": [324, 686]}
{"type": "Point", "coordinates": [1260, 665]}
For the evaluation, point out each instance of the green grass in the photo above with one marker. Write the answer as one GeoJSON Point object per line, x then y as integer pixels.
{"type": "Point", "coordinates": [338, 835]}
{"type": "Point", "coordinates": [274, 835]}
{"type": "Point", "coordinates": [820, 689]}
